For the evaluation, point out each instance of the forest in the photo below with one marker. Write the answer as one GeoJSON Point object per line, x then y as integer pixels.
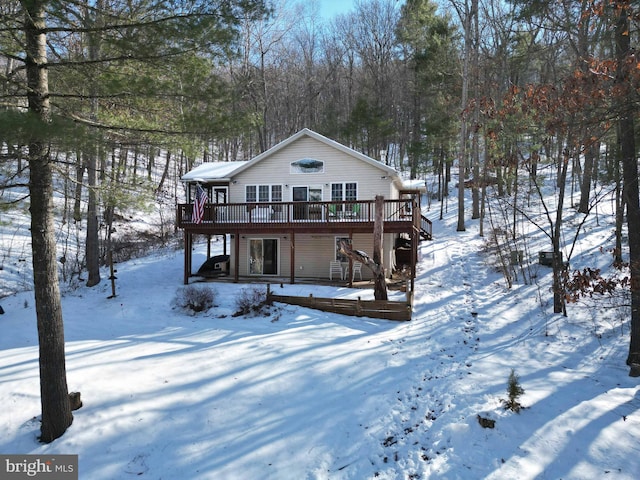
{"type": "Point", "coordinates": [98, 94]}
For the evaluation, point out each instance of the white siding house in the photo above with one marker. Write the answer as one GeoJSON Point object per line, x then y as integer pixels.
{"type": "Point", "coordinates": [284, 210]}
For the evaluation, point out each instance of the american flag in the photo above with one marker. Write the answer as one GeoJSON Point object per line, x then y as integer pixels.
{"type": "Point", "coordinates": [198, 204]}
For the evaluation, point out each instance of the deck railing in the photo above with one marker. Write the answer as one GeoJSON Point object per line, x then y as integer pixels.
{"type": "Point", "coordinates": [303, 213]}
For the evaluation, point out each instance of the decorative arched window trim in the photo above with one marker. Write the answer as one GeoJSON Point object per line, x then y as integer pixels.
{"type": "Point", "coordinates": [307, 165]}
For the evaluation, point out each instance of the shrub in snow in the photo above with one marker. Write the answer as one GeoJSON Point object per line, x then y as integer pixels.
{"type": "Point", "coordinates": [514, 392]}
{"type": "Point", "coordinates": [251, 300]}
{"type": "Point", "coordinates": [194, 298]}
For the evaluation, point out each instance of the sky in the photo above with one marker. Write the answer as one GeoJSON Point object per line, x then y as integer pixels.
{"type": "Point", "coordinates": [331, 8]}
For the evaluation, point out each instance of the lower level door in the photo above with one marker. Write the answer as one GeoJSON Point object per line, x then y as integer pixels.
{"type": "Point", "coordinates": [263, 256]}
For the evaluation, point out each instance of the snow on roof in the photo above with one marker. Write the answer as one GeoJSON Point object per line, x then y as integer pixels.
{"type": "Point", "coordinates": [212, 171]}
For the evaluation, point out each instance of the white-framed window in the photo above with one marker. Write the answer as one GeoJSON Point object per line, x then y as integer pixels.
{"type": "Point", "coordinates": [263, 193]}
{"type": "Point", "coordinates": [344, 191]}
{"type": "Point", "coordinates": [306, 166]}
{"type": "Point", "coordinates": [341, 257]}
{"type": "Point", "coordinates": [276, 193]}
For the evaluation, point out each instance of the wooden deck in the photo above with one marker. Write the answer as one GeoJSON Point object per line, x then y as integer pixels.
{"type": "Point", "coordinates": [400, 216]}
{"type": "Point", "coordinates": [292, 218]}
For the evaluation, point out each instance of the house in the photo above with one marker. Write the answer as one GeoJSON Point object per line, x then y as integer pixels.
{"type": "Point", "coordinates": [285, 211]}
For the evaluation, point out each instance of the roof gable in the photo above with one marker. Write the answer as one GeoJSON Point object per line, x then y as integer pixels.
{"type": "Point", "coordinates": [209, 171]}
{"type": "Point", "coordinates": [327, 141]}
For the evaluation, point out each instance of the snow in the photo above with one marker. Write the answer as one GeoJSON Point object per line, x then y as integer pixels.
{"type": "Point", "coordinates": [212, 171]}
{"type": "Point", "coordinates": [303, 394]}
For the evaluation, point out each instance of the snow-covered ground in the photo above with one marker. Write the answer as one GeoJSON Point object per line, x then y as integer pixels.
{"type": "Point", "coordinates": [303, 394]}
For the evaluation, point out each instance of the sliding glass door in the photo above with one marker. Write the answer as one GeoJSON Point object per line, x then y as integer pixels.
{"type": "Point", "coordinates": [263, 256]}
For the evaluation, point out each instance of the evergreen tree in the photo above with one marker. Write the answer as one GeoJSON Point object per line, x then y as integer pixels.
{"type": "Point", "coordinates": [102, 67]}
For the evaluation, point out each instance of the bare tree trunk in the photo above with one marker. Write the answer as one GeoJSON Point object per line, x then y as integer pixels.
{"type": "Point", "coordinates": [558, 264]}
{"type": "Point", "coordinates": [374, 263]}
{"type": "Point", "coordinates": [77, 196]}
{"type": "Point", "coordinates": [151, 160]}
{"type": "Point", "coordinates": [617, 254]}
{"type": "Point", "coordinates": [92, 244]}
{"type": "Point", "coordinates": [56, 409]}
{"type": "Point", "coordinates": [467, 19]}
{"type": "Point", "coordinates": [380, 281]}
{"type": "Point", "coordinates": [165, 173]}
{"type": "Point", "coordinates": [630, 189]}
{"type": "Point", "coordinates": [475, 139]}
{"type": "Point", "coordinates": [590, 156]}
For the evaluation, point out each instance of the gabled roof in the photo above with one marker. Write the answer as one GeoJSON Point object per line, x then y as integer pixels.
{"type": "Point", "coordinates": [225, 170]}
{"type": "Point", "coordinates": [327, 141]}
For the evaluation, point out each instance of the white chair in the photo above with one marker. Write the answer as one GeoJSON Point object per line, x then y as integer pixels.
{"type": "Point", "coordinates": [357, 270]}
{"type": "Point", "coordinates": [335, 267]}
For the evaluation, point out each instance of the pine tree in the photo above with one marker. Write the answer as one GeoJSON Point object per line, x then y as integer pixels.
{"type": "Point", "coordinates": [514, 392]}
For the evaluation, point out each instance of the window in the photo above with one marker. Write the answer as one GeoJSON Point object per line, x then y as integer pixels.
{"type": "Point", "coordinates": [250, 193]}
{"type": "Point", "coordinates": [344, 191]}
{"type": "Point", "coordinates": [315, 194]}
{"type": "Point", "coordinates": [263, 193]}
{"type": "Point", "coordinates": [350, 191]}
{"type": "Point", "coordinates": [347, 191]}
{"type": "Point", "coordinates": [341, 257]}
{"type": "Point", "coordinates": [220, 194]}
{"type": "Point", "coordinates": [307, 165]}
{"type": "Point", "coordinates": [336, 192]}
{"type": "Point", "coordinates": [276, 193]}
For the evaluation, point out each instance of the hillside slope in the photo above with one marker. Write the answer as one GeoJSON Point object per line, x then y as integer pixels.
{"type": "Point", "coordinates": [304, 394]}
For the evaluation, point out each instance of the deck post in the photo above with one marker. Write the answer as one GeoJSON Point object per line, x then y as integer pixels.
{"type": "Point", "coordinates": [187, 256]}
{"type": "Point", "coordinates": [292, 257]}
{"type": "Point", "coordinates": [350, 267]}
{"type": "Point", "coordinates": [236, 253]}
{"type": "Point", "coordinates": [415, 240]}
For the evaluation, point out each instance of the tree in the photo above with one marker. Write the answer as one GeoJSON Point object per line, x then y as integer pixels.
{"type": "Point", "coordinates": [145, 37]}
{"type": "Point", "coordinates": [368, 128]}
{"type": "Point", "coordinates": [54, 394]}
{"type": "Point", "coordinates": [91, 153]}
{"type": "Point", "coordinates": [374, 263]}
{"type": "Point", "coordinates": [369, 38]}
{"type": "Point", "coordinates": [429, 54]}
{"type": "Point", "coordinates": [467, 12]}
{"type": "Point", "coordinates": [627, 108]}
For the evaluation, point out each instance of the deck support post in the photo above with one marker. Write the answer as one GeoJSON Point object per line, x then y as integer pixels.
{"type": "Point", "coordinates": [236, 275]}
{"type": "Point", "coordinates": [350, 267]}
{"type": "Point", "coordinates": [292, 258]}
{"type": "Point", "coordinates": [187, 256]}
{"type": "Point", "coordinates": [415, 239]}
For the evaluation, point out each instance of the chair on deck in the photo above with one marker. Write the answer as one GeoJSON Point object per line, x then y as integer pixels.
{"type": "Point", "coordinates": [333, 210]}
{"type": "Point", "coordinates": [353, 211]}
{"type": "Point", "coordinates": [357, 270]}
{"type": "Point", "coordinates": [335, 267]}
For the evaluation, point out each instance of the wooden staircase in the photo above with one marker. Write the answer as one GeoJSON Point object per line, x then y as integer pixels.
{"type": "Point", "coordinates": [426, 228]}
